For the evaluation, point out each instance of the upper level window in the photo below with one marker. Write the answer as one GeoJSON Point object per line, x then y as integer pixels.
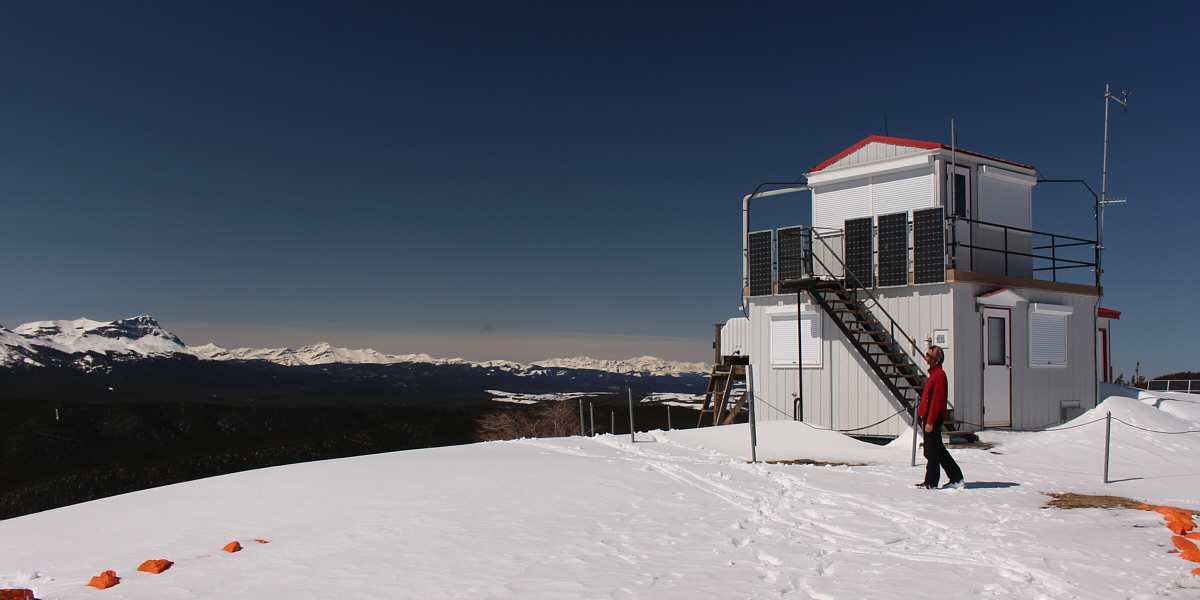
{"type": "Point", "coordinates": [958, 194]}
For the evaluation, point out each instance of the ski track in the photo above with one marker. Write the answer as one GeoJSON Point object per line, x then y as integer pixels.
{"type": "Point", "coordinates": [789, 513]}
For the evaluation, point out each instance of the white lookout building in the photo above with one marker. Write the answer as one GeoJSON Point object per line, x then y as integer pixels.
{"type": "Point", "coordinates": [902, 255]}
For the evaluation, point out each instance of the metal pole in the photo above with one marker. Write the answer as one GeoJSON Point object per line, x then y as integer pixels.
{"type": "Point", "coordinates": [799, 415]}
{"type": "Point", "coordinates": [916, 432]}
{"type": "Point", "coordinates": [582, 427]}
{"type": "Point", "coordinates": [1107, 438]}
{"type": "Point", "coordinates": [1103, 193]}
{"type": "Point", "coordinates": [612, 427]}
{"type": "Point", "coordinates": [753, 433]}
{"type": "Point", "coordinates": [668, 417]}
{"type": "Point", "coordinates": [592, 415]}
{"type": "Point", "coordinates": [632, 440]}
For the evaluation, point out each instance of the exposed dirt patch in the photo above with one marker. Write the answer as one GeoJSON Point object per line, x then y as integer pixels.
{"type": "Point", "coordinates": [1087, 501]}
{"type": "Point", "coordinates": [819, 463]}
{"type": "Point", "coordinates": [973, 445]}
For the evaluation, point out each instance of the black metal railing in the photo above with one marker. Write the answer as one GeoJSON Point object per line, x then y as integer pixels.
{"type": "Point", "coordinates": [1056, 263]}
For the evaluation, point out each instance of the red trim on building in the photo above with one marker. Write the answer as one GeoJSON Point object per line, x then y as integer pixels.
{"type": "Point", "coordinates": [1108, 313]}
{"type": "Point", "coordinates": [912, 144]}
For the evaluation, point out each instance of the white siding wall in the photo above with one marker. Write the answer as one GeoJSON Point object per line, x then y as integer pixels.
{"type": "Point", "coordinates": [833, 204]}
{"type": "Point", "coordinates": [843, 393]}
{"type": "Point", "coordinates": [1038, 392]}
{"type": "Point", "coordinates": [900, 192]}
{"type": "Point", "coordinates": [879, 195]}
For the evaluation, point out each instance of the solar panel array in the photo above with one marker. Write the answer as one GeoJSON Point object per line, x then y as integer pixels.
{"type": "Point", "coordinates": [760, 262]}
{"type": "Point", "coordinates": [790, 243]}
{"type": "Point", "coordinates": [929, 246]}
{"type": "Point", "coordinates": [893, 249]}
{"type": "Point", "coordinates": [858, 250]}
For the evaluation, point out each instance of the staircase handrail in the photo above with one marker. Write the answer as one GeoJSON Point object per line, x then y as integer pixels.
{"type": "Point", "coordinates": [845, 269]}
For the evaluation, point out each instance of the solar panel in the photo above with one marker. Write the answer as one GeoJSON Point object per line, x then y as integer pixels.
{"type": "Point", "coordinates": [893, 249]}
{"type": "Point", "coordinates": [790, 241]}
{"type": "Point", "coordinates": [929, 246]}
{"type": "Point", "coordinates": [858, 250]}
{"type": "Point", "coordinates": [760, 247]}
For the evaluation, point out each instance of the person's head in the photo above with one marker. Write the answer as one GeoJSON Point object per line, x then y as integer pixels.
{"type": "Point", "coordinates": [934, 356]}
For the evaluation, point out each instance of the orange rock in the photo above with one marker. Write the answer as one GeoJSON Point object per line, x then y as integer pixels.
{"type": "Point", "coordinates": [1195, 535]}
{"type": "Point", "coordinates": [1196, 572]}
{"type": "Point", "coordinates": [1145, 507]}
{"type": "Point", "coordinates": [16, 594]}
{"type": "Point", "coordinates": [156, 566]}
{"type": "Point", "coordinates": [232, 547]}
{"type": "Point", "coordinates": [263, 541]}
{"type": "Point", "coordinates": [104, 580]}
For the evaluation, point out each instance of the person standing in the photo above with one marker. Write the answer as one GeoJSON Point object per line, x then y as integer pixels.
{"type": "Point", "coordinates": [931, 414]}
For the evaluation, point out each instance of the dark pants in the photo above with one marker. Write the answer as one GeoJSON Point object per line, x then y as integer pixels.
{"type": "Point", "coordinates": [939, 458]}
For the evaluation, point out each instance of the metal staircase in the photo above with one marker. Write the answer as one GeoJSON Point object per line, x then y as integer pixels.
{"type": "Point", "coordinates": [875, 343]}
{"type": "Point", "coordinates": [860, 317]}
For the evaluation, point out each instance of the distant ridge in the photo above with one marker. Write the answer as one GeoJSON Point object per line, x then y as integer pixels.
{"type": "Point", "coordinates": [43, 343]}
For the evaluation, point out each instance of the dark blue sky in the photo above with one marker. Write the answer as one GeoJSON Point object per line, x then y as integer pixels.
{"type": "Point", "coordinates": [262, 173]}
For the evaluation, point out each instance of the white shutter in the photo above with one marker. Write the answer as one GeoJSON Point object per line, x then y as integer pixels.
{"type": "Point", "coordinates": [1048, 335]}
{"type": "Point", "coordinates": [901, 192]}
{"type": "Point", "coordinates": [1005, 202]}
{"type": "Point", "coordinates": [785, 339]}
{"type": "Point", "coordinates": [833, 204]}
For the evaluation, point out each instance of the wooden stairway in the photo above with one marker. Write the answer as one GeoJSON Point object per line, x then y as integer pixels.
{"type": "Point", "coordinates": [717, 398]}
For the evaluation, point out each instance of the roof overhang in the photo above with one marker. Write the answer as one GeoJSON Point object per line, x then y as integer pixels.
{"type": "Point", "coordinates": [1108, 313]}
{"type": "Point", "coordinates": [879, 167]}
{"type": "Point", "coordinates": [1001, 297]}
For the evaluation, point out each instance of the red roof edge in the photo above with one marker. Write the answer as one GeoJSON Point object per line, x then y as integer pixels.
{"type": "Point", "coordinates": [910, 143]}
{"type": "Point", "coordinates": [1108, 313]}
{"type": "Point", "coordinates": [876, 138]}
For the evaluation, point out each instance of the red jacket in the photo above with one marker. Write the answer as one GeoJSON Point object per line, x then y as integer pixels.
{"type": "Point", "coordinates": [933, 401]}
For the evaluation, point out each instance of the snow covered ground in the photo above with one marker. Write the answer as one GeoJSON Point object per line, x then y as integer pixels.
{"type": "Point", "coordinates": [679, 514]}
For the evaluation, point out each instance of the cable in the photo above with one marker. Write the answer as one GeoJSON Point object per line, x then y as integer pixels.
{"type": "Point", "coordinates": [1154, 431]}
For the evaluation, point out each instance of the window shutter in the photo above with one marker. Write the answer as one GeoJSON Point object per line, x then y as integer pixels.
{"type": "Point", "coordinates": [1048, 335]}
{"type": "Point", "coordinates": [785, 339]}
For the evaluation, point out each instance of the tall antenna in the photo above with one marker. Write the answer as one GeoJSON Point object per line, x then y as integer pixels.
{"type": "Point", "coordinates": [1104, 201]}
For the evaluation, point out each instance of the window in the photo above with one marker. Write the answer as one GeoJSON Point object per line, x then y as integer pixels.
{"type": "Point", "coordinates": [1048, 335]}
{"type": "Point", "coordinates": [786, 340]}
{"type": "Point", "coordinates": [996, 334]}
{"type": "Point", "coordinates": [958, 192]}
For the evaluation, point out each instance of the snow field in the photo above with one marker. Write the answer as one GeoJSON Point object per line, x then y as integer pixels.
{"type": "Point", "coordinates": [679, 514]}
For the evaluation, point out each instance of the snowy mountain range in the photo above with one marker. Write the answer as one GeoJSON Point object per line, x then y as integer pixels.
{"type": "Point", "coordinates": [44, 342]}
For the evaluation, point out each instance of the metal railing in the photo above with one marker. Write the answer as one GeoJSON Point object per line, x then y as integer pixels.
{"type": "Point", "coordinates": [893, 327]}
{"type": "Point", "coordinates": [1054, 246]}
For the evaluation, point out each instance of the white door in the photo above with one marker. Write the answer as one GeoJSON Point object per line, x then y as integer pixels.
{"type": "Point", "coordinates": [997, 367]}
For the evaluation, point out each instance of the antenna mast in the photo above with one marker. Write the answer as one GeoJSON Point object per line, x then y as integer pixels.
{"type": "Point", "coordinates": [1104, 201]}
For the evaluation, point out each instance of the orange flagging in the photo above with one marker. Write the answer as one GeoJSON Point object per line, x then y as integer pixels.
{"type": "Point", "coordinates": [1177, 515]}
{"type": "Point", "coordinates": [1187, 548]}
{"type": "Point", "coordinates": [232, 547]}
{"type": "Point", "coordinates": [104, 580]}
{"type": "Point", "coordinates": [156, 566]}
{"type": "Point", "coordinates": [16, 594]}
